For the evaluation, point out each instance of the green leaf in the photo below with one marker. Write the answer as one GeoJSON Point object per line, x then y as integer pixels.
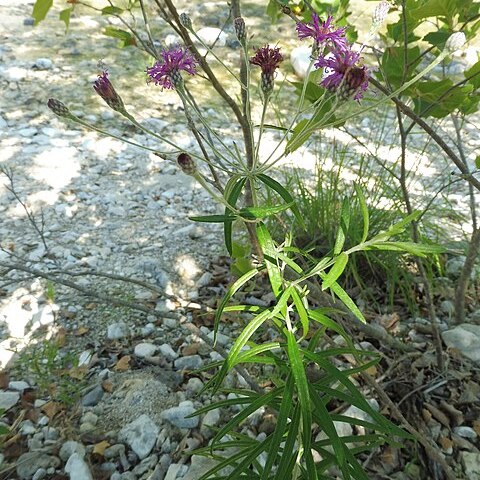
{"type": "Point", "coordinates": [281, 427]}
{"type": "Point", "coordinates": [65, 16]}
{"type": "Point", "coordinates": [437, 39]}
{"type": "Point", "coordinates": [274, 185]}
{"type": "Point", "coordinates": [40, 10]}
{"type": "Point", "coordinates": [344, 297]}
{"type": "Point", "coordinates": [231, 198]}
{"type": "Point", "coordinates": [418, 249]}
{"type": "Point", "coordinates": [126, 38]}
{"type": "Point", "coordinates": [302, 312]}
{"type": "Point", "coordinates": [212, 218]}
{"type": "Point", "coordinates": [269, 250]}
{"type": "Point", "coordinates": [473, 74]}
{"type": "Point", "coordinates": [228, 295]}
{"type": "Point", "coordinates": [364, 210]}
{"type": "Point", "coordinates": [287, 462]}
{"type": "Point", "coordinates": [393, 64]}
{"type": "Point", "coordinates": [301, 385]}
{"type": "Point", "coordinates": [253, 213]}
{"type": "Point", "coordinates": [112, 11]}
{"type": "Point", "coordinates": [477, 162]}
{"type": "Point", "coordinates": [335, 272]}
{"type": "Point", "coordinates": [344, 224]}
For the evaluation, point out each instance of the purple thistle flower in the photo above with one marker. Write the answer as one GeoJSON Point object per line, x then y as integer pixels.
{"type": "Point", "coordinates": [268, 59]}
{"type": "Point", "coordinates": [105, 89]}
{"type": "Point", "coordinates": [322, 32]}
{"type": "Point", "coordinates": [343, 72]}
{"type": "Point", "coordinates": [166, 71]}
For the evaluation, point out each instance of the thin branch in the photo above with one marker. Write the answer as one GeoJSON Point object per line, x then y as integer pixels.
{"type": "Point", "coordinates": [428, 129]}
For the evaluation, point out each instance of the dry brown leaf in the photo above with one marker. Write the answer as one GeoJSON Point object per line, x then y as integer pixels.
{"type": "Point", "coordinates": [476, 426]}
{"type": "Point", "coordinates": [191, 349]}
{"type": "Point", "coordinates": [81, 331]}
{"type": "Point", "coordinates": [91, 306]}
{"type": "Point", "coordinates": [123, 364]}
{"type": "Point", "coordinates": [107, 386]}
{"type": "Point", "coordinates": [4, 380]}
{"type": "Point", "coordinates": [372, 371]}
{"type": "Point", "coordinates": [78, 373]}
{"type": "Point", "coordinates": [51, 409]}
{"type": "Point", "coordinates": [427, 416]}
{"type": "Point", "coordinates": [99, 448]}
{"type": "Point", "coordinates": [446, 443]}
{"type": "Point", "coordinates": [61, 337]}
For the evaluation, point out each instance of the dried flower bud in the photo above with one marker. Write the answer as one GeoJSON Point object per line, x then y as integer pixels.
{"type": "Point", "coordinates": [455, 42]}
{"type": "Point", "coordinates": [58, 108]}
{"type": "Point", "coordinates": [380, 13]}
{"type": "Point", "coordinates": [186, 21]}
{"type": "Point", "coordinates": [240, 31]}
{"type": "Point", "coordinates": [187, 164]}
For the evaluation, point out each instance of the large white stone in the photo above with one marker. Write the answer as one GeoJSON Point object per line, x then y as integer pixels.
{"type": "Point", "coordinates": [466, 339]}
{"type": "Point", "coordinates": [77, 468]}
{"type": "Point", "coordinates": [211, 35]}
{"type": "Point", "coordinates": [140, 435]}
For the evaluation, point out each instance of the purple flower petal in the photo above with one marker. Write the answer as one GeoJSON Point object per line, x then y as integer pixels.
{"type": "Point", "coordinates": [322, 32]}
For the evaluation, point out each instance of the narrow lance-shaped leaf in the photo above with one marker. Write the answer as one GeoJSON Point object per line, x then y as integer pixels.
{"type": "Point", "coordinates": [228, 295]}
{"type": "Point", "coordinates": [336, 270]}
{"type": "Point", "coordinates": [232, 198]}
{"type": "Point", "coordinates": [269, 250]}
{"type": "Point", "coordinates": [285, 194]}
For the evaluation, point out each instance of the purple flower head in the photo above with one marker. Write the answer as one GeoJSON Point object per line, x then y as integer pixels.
{"type": "Point", "coordinates": [166, 71]}
{"type": "Point", "coordinates": [322, 32]}
{"type": "Point", "coordinates": [267, 58]}
{"type": "Point", "coordinates": [343, 72]}
{"type": "Point", "coordinates": [105, 89]}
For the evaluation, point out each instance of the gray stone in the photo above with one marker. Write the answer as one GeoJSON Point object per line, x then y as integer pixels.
{"type": "Point", "coordinates": [199, 466]}
{"type": "Point", "coordinates": [8, 399]}
{"type": "Point", "coordinates": [211, 419]}
{"type": "Point", "coordinates": [454, 266]}
{"type": "Point", "coordinates": [212, 35]}
{"type": "Point", "coordinates": [176, 470]}
{"type": "Point", "coordinates": [447, 307]}
{"type": "Point", "coordinates": [114, 451]}
{"type": "Point", "coordinates": [168, 352]}
{"type": "Point", "coordinates": [190, 362]}
{"type": "Point", "coordinates": [144, 350]}
{"type": "Point", "coordinates": [471, 464]}
{"type": "Point", "coordinates": [40, 474]}
{"type": "Point", "coordinates": [194, 385]}
{"type": "Point", "coordinates": [43, 64]}
{"type": "Point", "coordinates": [77, 468]}
{"type": "Point", "coordinates": [140, 435]}
{"type": "Point", "coordinates": [19, 386]}
{"type": "Point", "coordinates": [27, 428]}
{"type": "Point", "coordinates": [93, 396]}
{"type": "Point", "coordinates": [466, 339]}
{"type": "Point", "coordinates": [465, 432]}
{"type": "Point", "coordinates": [177, 415]}
{"type": "Point", "coordinates": [28, 463]}
{"type": "Point", "coordinates": [300, 60]}
{"type": "Point", "coordinates": [69, 448]}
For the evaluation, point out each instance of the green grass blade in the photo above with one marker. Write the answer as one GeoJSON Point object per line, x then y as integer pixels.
{"type": "Point", "coordinates": [302, 312]}
{"type": "Point", "coordinates": [287, 462]}
{"type": "Point", "coordinates": [364, 210]}
{"type": "Point", "coordinates": [344, 224]}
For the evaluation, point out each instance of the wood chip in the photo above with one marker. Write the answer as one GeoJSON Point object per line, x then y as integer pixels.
{"type": "Point", "coordinates": [99, 448]}
{"type": "Point", "coordinates": [4, 380]}
{"type": "Point", "coordinates": [51, 409]}
{"type": "Point", "coordinates": [438, 415]}
{"type": "Point", "coordinates": [81, 331]}
{"type": "Point", "coordinates": [107, 386]}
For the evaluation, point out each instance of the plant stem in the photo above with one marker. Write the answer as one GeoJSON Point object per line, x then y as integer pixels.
{"type": "Point", "coordinates": [416, 238]}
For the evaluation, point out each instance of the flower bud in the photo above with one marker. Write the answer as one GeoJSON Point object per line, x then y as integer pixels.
{"type": "Point", "coordinates": [185, 21]}
{"type": "Point", "coordinates": [187, 164]}
{"type": "Point", "coordinates": [266, 83]}
{"type": "Point", "coordinates": [58, 108]}
{"type": "Point", "coordinates": [455, 42]}
{"type": "Point", "coordinates": [380, 13]}
{"type": "Point", "coordinates": [105, 89]}
{"type": "Point", "coordinates": [239, 25]}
